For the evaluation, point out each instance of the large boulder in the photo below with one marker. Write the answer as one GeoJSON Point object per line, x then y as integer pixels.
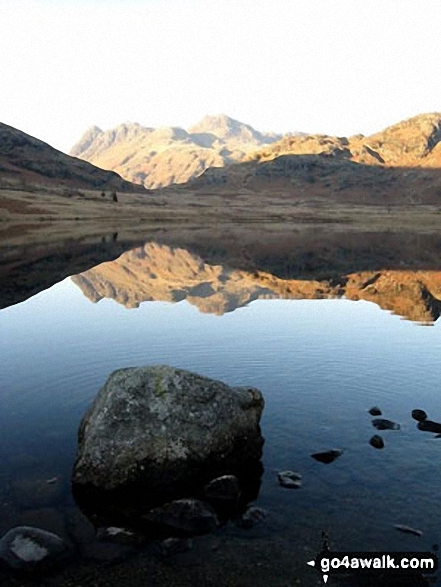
{"type": "Point", "coordinates": [166, 432]}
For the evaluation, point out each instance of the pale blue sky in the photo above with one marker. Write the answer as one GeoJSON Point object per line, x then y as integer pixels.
{"type": "Point", "coordinates": [331, 66]}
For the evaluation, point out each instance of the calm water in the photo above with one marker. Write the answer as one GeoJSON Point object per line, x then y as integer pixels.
{"type": "Point", "coordinates": [321, 364]}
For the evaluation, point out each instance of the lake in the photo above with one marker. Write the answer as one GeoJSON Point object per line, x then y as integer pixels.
{"type": "Point", "coordinates": [321, 364]}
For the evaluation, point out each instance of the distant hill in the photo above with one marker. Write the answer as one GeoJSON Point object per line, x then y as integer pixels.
{"type": "Point", "coordinates": [409, 143]}
{"type": "Point", "coordinates": [158, 157]}
{"type": "Point", "coordinates": [25, 160]}
{"type": "Point", "coordinates": [398, 162]}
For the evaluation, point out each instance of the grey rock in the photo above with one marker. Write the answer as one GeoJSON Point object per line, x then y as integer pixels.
{"type": "Point", "coordinates": [383, 424]}
{"type": "Point", "coordinates": [25, 548]}
{"type": "Point", "coordinates": [289, 479]}
{"type": "Point", "coordinates": [166, 428]}
{"type": "Point", "coordinates": [184, 515]}
{"type": "Point", "coordinates": [429, 426]}
{"type": "Point", "coordinates": [224, 488]}
{"type": "Point", "coordinates": [375, 411]}
{"type": "Point", "coordinates": [327, 456]}
{"type": "Point", "coordinates": [419, 415]}
{"type": "Point", "coordinates": [252, 516]}
{"type": "Point", "coordinates": [376, 441]}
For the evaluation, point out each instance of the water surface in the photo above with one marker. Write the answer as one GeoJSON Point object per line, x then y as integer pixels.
{"type": "Point", "coordinates": [320, 364]}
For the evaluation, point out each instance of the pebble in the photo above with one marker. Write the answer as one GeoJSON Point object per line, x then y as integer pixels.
{"type": "Point", "coordinates": [327, 456]}
{"type": "Point", "coordinates": [289, 479]}
{"type": "Point", "coordinates": [419, 415]}
{"type": "Point", "coordinates": [375, 411]}
{"type": "Point", "coordinates": [429, 426]}
{"type": "Point", "coordinates": [376, 441]}
{"type": "Point", "coordinates": [253, 516]}
{"type": "Point", "coordinates": [383, 424]}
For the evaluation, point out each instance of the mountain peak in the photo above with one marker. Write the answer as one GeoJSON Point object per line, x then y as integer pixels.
{"type": "Point", "coordinates": [86, 140]}
{"type": "Point", "coordinates": [222, 126]}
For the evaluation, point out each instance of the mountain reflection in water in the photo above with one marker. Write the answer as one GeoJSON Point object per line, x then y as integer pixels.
{"type": "Point", "coordinates": [156, 272]}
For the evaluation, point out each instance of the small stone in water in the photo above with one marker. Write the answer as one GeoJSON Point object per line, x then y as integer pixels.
{"type": "Point", "coordinates": [408, 530]}
{"type": "Point", "coordinates": [52, 480]}
{"type": "Point", "coordinates": [289, 479]}
{"type": "Point", "coordinates": [383, 424]}
{"type": "Point", "coordinates": [376, 441]}
{"type": "Point", "coordinates": [254, 515]}
{"type": "Point", "coordinates": [375, 411]}
{"type": "Point", "coordinates": [327, 456]}
{"type": "Point", "coordinates": [429, 426]}
{"type": "Point", "coordinates": [419, 415]}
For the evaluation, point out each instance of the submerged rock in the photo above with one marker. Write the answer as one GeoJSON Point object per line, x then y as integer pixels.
{"type": "Point", "coordinates": [25, 548]}
{"type": "Point", "coordinates": [223, 489]}
{"type": "Point", "coordinates": [375, 411]}
{"type": "Point", "coordinates": [289, 479]}
{"type": "Point", "coordinates": [253, 516]}
{"type": "Point", "coordinates": [383, 424]}
{"type": "Point", "coordinates": [166, 432]}
{"type": "Point", "coordinates": [190, 516]}
{"type": "Point", "coordinates": [419, 415]}
{"type": "Point", "coordinates": [429, 426]}
{"type": "Point", "coordinates": [327, 456]}
{"type": "Point", "coordinates": [376, 441]}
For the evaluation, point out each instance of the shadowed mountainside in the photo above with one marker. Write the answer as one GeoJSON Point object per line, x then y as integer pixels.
{"type": "Point", "coordinates": [156, 272]}
{"type": "Point", "coordinates": [157, 157]}
{"type": "Point", "coordinates": [399, 164]}
{"type": "Point", "coordinates": [27, 161]}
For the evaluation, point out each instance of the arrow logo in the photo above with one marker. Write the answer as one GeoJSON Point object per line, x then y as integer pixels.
{"type": "Point", "coordinates": [312, 564]}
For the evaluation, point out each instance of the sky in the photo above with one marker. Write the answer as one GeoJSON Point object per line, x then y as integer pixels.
{"type": "Point", "coordinates": [330, 66]}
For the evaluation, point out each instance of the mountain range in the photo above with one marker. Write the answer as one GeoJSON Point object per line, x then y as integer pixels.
{"type": "Point", "coordinates": [397, 166]}
{"type": "Point", "coordinates": [412, 143]}
{"type": "Point", "coordinates": [394, 165]}
{"type": "Point", "coordinates": [158, 157]}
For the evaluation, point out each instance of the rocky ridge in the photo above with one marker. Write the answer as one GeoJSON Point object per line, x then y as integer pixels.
{"type": "Point", "coordinates": [157, 157]}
